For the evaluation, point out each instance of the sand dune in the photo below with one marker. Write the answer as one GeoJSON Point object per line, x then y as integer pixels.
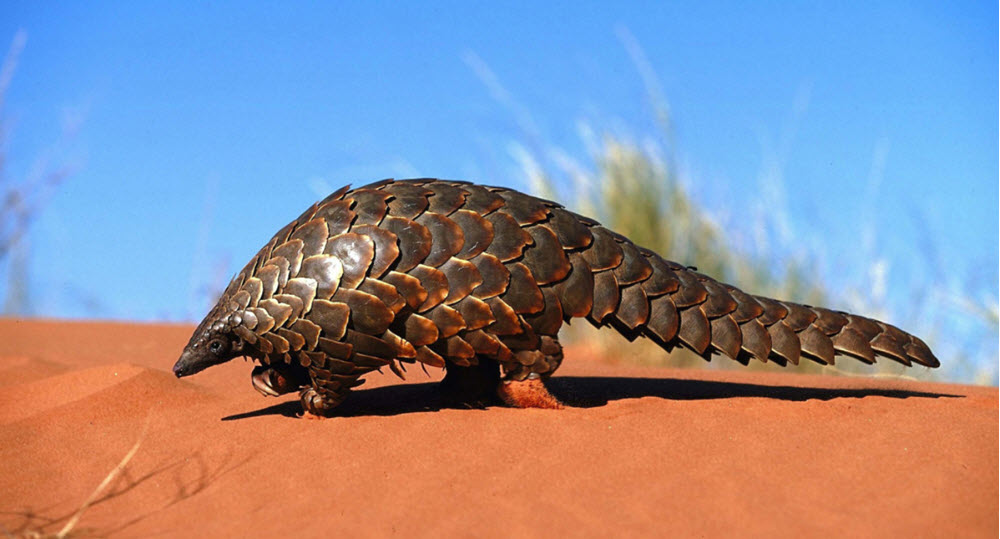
{"type": "Point", "coordinates": [16, 370]}
{"type": "Point", "coordinates": [641, 451]}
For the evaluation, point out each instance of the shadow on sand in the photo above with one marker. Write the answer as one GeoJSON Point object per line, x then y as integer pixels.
{"type": "Point", "coordinates": [584, 392]}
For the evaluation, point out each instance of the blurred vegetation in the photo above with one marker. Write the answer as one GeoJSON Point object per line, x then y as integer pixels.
{"type": "Point", "coordinates": [21, 200]}
{"type": "Point", "coordinates": [633, 191]}
{"type": "Point", "coordinates": [633, 187]}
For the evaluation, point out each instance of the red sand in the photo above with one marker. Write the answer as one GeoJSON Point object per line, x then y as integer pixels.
{"type": "Point", "coordinates": [641, 451]}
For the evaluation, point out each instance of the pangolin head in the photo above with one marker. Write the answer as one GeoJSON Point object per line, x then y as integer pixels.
{"type": "Point", "coordinates": [213, 343]}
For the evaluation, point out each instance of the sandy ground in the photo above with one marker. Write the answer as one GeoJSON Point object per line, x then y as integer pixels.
{"type": "Point", "coordinates": [642, 451]}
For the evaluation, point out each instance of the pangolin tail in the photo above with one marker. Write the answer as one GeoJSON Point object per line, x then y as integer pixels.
{"type": "Point", "coordinates": [641, 294]}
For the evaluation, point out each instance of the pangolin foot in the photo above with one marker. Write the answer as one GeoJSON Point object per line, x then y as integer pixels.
{"type": "Point", "coordinates": [316, 405]}
{"type": "Point", "coordinates": [528, 393]}
{"type": "Point", "coordinates": [273, 381]}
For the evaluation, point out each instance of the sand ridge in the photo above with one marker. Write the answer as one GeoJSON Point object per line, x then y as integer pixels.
{"type": "Point", "coordinates": [640, 451]}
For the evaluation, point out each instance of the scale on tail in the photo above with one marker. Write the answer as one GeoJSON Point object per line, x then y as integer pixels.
{"type": "Point", "coordinates": [478, 280]}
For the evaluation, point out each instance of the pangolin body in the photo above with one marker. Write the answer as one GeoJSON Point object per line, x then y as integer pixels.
{"type": "Point", "coordinates": [471, 278]}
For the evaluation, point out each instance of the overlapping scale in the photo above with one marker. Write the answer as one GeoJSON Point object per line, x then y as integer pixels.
{"type": "Point", "coordinates": [439, 272]}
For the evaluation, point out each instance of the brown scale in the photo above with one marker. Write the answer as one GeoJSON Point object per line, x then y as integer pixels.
{"type": "Point", "coordinates": [506, 320]}
{"type": "Point", "coordinates": [479, 280]}
{"type": "Point", "coordinates": [368, 312]}
{"type": "Point", "coordinates": [409, 200]}
{"type": "Point", "coordinates": [385, 292]}
{"type": "Point", "coordinates": [604, 252]}
{"type": "Point", "coordinates": [420, 330]}
{"type": "Point", "coordinates": [784, 342]}
{"type": "Point", "coordinates": [326, 270]}
{"type": "Point", "coordinates": [434, 283]}
{"type": "Point", "coordinates": [495, 276]}
{"type": "Point", "coordinates": [509, 239]}
{"type": "Point", "coordinates": [447, 238]}
{"type": "Point", "coordinates": [370, 205]}
{"type": "Point", "coordinates": [662, 281]}
{"type": "Point", "coordinates": [338, 216]}
{"type": "Point", "coordinates": [607, 296]}
{"type": "Point", "coordinates": [726, 336]}
{"type": "Point", "coordinates": [313, 236]}
{"type": "Point", "coordinates": [356, 253]}
{"type": "Point", "coordinates": [386, 248]}
{"type": "Point", "coordinates": [481, 200]}
{"type": "Point", "coordinates": [449, 321]}
{"type": "Point", "coordinates": [484, 344]}
{"type": "Point", "coordinates": [523, 208]}
{"type": "Point", "coordinates": [429, 357]}
{"type": "Point", "coordinates": [409, 287]}
{"type": "Point", "coordinates": [463, 277]}
{"type": "Point", "coordinates": [523, 294]}
{"type": "Point", "coordinates": [291, 253]}
{"type": "Point", "coordinates": [719, 302]}
{"type": "Point", "coordinates": [570, 231]}
{"type": "Point", "coordinates": [268, 276]}
{"type": "Point", "coordinates": [773, 310]}
{"type": "Point", "coordinates": [550, 318]}
{"type": "Point", "coordinates": [545, 257]}
{"type": "Point", "coordinates": [695, 331]}
{"type": "Point", "coordinates": [576, 291]}
{"type": "Point", "coordinates": [402, 349]}
{"type": "Point", "coordinates": [664, 321]}
{"type": "Point", "coordinates": [633, 311]}
{"type": "Point", "coordinates": [747, 308]}
{"type": "Point", "coordinates": [330, 317]}
{"type": "Point", "coordinates": [476, 312]}
{"type": "Point", "coordinates": [446, 197]}
{"type": "Point", "coordinates": [634, 267]}
{"type": "Point", "coordinates": [304, 288]}
{"type": "Point", "coordinates": [277, 310]}
{"type": "Point", "coordinates": [477, 233]}
{"type": "Point", "coordinates": [756, 340]}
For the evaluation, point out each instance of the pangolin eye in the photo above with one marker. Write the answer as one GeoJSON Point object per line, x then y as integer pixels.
{"type": "Point", "coordinates": [215, 347]}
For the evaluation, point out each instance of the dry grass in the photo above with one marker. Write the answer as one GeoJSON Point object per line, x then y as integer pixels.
{"type": "Point", "coordinates": [631, 185]}
{"type": "Point", "coordinates": [70, 528]}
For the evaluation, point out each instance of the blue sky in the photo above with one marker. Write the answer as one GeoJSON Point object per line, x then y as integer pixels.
{"type": "Point", "coordinates": [202, 130]}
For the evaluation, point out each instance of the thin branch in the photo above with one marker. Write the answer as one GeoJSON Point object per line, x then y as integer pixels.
{"type": "Point", "coordinates": [104, 484]}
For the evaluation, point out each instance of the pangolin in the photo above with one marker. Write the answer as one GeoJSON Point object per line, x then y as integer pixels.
{"type": "Point", "coordinates": [478, 280]}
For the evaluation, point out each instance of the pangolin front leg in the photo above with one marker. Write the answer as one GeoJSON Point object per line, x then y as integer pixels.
{"type": "Point", "coordinates": [317, 402]}
{"type": "Point", "coordinates": [330, 380]}
{"type": "Point", "coordinates": [467, 277]}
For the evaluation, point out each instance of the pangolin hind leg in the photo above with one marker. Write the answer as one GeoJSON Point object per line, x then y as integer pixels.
{"type": "Point", "coordinates": [472, 385]}
{"type": "Point", "coordinates": [523, 384]}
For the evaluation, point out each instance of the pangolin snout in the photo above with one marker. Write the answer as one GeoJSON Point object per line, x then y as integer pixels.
{"type": "Point", "coordinates": [189, 363]}
{"type": "Point", "coordinates": [181, 368]}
